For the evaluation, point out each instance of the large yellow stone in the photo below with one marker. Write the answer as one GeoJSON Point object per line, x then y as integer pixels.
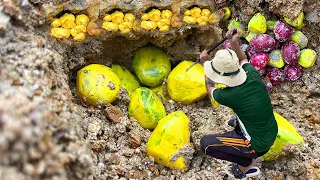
{"type": "Point", "coordinates": [171, 134]}
{"type": "Point", "coordinates": [297, 22]}
{"type": "Point", "coordinates": [227, 13]}
{"type": "Point", "coordinates": [270, 24]}
{"type": "Point", "coordinates": [307, 58]}
{"type": "Point", "coordinates": [258, 24]}
{"type": "Point", "coordinates": [287, 135]}
{"type": "Point", "coordinates": [146, 108]}
{"type": "Point", "coordinates": [97, 85]}
{"type": "Point", "coordinates": [237, 25]}
{"type": "Point", "coordinates": [299, 38]}
{"type": "Point", "coordinates": [127, 80]}
{"type": "Point", "coordinates": [151, 65]}
{"type": "Point", "coordinates": [276, 59]}
{"type": "Point", "coordinates": [162, 92]}
{"type": "Point", "coordinates": [250, 36]}
{"type": "Point", "coordinates": [184, 86]}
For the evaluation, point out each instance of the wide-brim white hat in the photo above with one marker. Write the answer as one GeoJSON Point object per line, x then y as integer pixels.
{"type": "Point", "coordinates": [224, 68]}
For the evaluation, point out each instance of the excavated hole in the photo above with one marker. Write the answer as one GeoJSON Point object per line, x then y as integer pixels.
{"type": "Point", "coordinates": [119, 50]}
{"type": "Point", "coordinates": [59, 15]}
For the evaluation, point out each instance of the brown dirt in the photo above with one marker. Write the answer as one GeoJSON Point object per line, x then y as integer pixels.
{"type": "Point", "coordinates": [113, 113]}
{"type": "Point", "coordinates": [47, 133]}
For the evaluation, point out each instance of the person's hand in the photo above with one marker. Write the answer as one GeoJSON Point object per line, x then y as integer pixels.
{"type": "Point", "coordinates": [204, 56]}
{"type": "Point", "coordinates": [231, 36]}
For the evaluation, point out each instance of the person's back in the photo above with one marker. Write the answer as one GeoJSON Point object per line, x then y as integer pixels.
{"type": "Point", "coordinates": [252, 104]}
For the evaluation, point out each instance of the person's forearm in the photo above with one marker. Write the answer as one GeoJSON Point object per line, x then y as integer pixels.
{"type": "Point", "coordinates": [209, 85]}
{"type": "Point", "coordinates": [236, 48]}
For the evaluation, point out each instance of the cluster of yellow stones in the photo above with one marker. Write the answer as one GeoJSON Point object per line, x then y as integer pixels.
{"type": "Point", "coordinates": [118, 21]}
{"type": "Point", "coordinates": [68, 25]}
{"type": "Point", "coordinates": [156, 19]}
{"type": "Point", "coordinates": [201, 16]}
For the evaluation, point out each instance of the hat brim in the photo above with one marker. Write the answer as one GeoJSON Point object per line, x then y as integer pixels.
{"type": "Point", "coordinates": [231, 81]}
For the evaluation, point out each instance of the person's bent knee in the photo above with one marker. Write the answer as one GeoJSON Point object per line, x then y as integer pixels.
{"type": "Point", "coordinates": [205, 141]}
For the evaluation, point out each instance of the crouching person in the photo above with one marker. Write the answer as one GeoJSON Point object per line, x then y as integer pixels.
{"type": "Point", "coordinates": [255, 127]}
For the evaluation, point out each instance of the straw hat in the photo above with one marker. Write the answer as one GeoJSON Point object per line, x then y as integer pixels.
{"type": "Point", "coordinates": [224, 68]}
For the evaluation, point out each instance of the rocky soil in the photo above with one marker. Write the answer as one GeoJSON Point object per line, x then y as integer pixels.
{"type": "Point", "coordinates": [47, 133]}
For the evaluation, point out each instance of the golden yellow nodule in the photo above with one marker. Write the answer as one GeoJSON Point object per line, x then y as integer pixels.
{"type": "Point", "coordinates": [166, 14]}
{"type": "Point", "coordinates": [189, 19]}
{"type": "Point", "coordinates": [129, 17]}
{"type": "Point", "coordinates": [125, 31]}
{"type": "Point", "coordinates": [107, 18]}
{"type": "Point", "coordinates": [125, 27]}
{"type": "Point", "coordinates": [128, 25]}
{"type": "Point", "coordinates": [205, 12]}
{"type": "Point", "coordinates": [164, 28]}
{"type": "Point", "coordinates": [155, 17]}
{"type": "Point", "coordinates": [110, 26]}
{"type": "Point", "coordinates": [81, 28]}
{"type": "Point", "coordinates": [79, 37]}
{"type": "Point", "coordinates": [195, 12]}
{"type": "Point", "coordinates": [149, 25]}
{"type": "Point", "coordinates": [162, 25]}
{"type": "Point", "coordinates": [203, 20]}
{"type": "Point", "coordinates": [82, 19]}
{"type": "Point", "coordinates": [154, 11]}
{"type": "Point", "coordinates": [164, 22]}
{"type": "Point", "coordinates": [145, 17]}
{"type": "Point", "coordinates": [187, 13]}
{"type": "Point", "coordinates": [117, 14]}
{"type": "Point", "coordinates": [67, 16]}
{"type": "Point", "coordinates": [68, 24]}
{"type": "Point", "coordinates": [73, 32]}
{"type": "Point", "coordinates": [77, 30]}
{"type": "Point", "coordinates": [60, 33]}
{"type": "Point", "coordinates": [117, 20]}
{"type": "Point", "coordinates": [56, 23]}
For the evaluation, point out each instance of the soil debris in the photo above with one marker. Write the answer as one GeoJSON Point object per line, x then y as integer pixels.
{"type": "Point", "coordinates": [113, 113]}
{"type": "Point", "coordinates": [111, 85]}
{"type": "Point", "coordinates": [135, 139]}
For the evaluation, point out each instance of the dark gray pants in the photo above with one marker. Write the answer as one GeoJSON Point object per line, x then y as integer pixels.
{"type": "Point", "coordinates": [231, 146]}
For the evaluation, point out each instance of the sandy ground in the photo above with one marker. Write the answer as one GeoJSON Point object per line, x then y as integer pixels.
{"type": "Point", "coordinates": [46, 133]}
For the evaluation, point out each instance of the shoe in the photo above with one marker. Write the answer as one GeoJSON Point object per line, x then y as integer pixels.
{"type": "Point", "coordinates": [235, 172]}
